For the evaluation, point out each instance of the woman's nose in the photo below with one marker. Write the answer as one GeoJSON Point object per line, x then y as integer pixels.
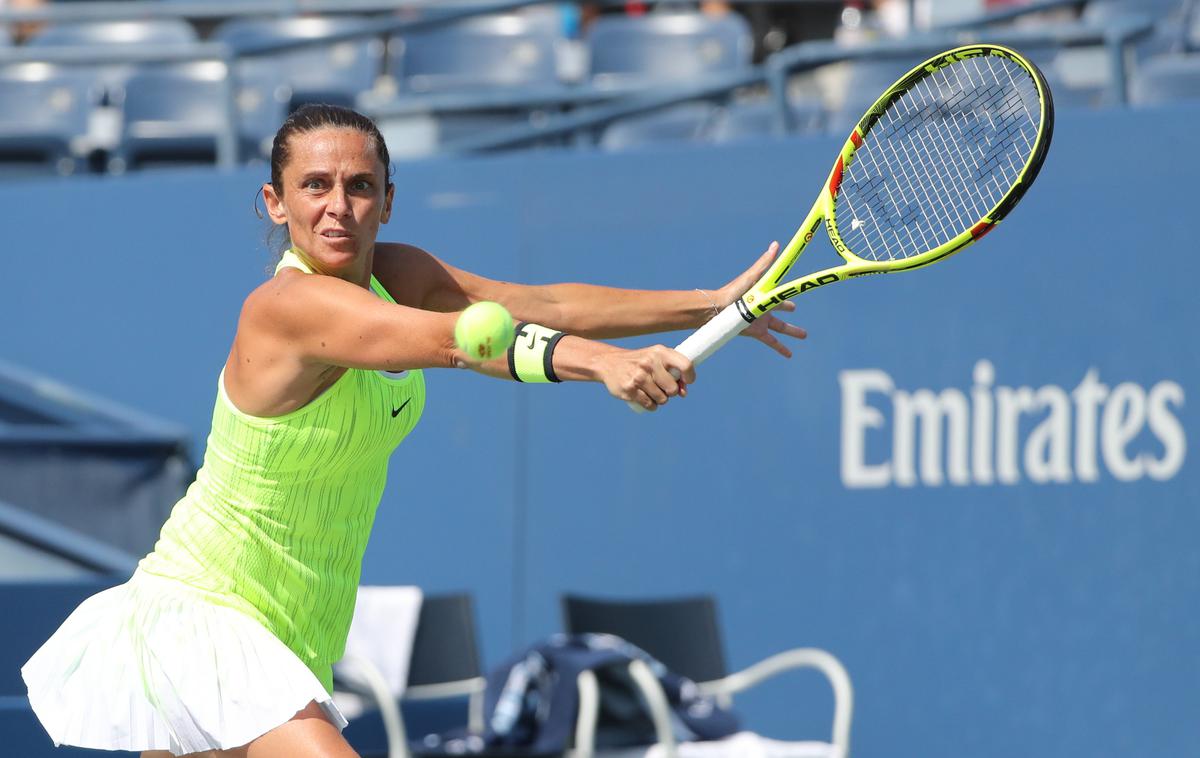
{"type": "Point", "coordinates": [338, 204]}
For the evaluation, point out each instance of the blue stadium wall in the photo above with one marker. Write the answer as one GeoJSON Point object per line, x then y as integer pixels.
{"type": "Point", "coordinates": [974, 484]}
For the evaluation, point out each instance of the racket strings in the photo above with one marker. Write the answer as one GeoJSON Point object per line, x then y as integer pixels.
{"type": "Point", "coordinates": [940, 158]}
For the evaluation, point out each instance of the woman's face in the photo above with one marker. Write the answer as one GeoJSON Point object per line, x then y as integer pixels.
{"type": "Point", "coordinates": [335, 196]}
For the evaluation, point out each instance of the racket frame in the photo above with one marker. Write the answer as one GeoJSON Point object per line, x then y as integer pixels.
{"type": "Point", "coordinates": [769, 292]}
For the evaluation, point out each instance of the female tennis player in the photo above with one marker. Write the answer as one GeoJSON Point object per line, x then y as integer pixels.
{"type": "Point", "coordinates": [223, 640]}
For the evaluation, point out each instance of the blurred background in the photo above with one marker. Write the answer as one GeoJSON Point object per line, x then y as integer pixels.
{"type": "Point", "coordinates": [972, 485]}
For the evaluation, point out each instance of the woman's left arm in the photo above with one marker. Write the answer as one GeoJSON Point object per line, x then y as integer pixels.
{"type": "Point", "coordinates": [585, 310]}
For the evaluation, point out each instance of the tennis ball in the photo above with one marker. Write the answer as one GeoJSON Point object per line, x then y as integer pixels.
{"type": "Point", "coordinates": [484, 331]}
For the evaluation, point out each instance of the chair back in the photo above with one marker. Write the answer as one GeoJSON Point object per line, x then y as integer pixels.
{"type": "Point", "coordinates": [681, 632]}
{"type": "Point", "coordinates": [166, 31]}
{"type": "Point", "coordinates": [1167, 79]}
{"type": "Point", "coordinates": [686, 122]}
{"type": "Point", "coordinates": [1101, 12]}
{"type": "Point", "coordinates": [52, 99]}
{"type": "Point", "coordinates": [504, 50]}
{"type": "Point", "coordinates": [337, 71]}
{"type": "Point", "coordinates": [667, 46]}
{"type": "Point", "coordinates": [188, 94]}
{"type": "Point", "coordinates": [755, 120]}
{"type": "Point", "coordinates": [445, 647]}
{"type": "Point", "coordinates": [43, 110]}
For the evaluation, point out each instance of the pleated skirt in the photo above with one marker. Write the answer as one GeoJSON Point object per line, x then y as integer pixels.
{"type": "Point", "coordinates": [153, 665]}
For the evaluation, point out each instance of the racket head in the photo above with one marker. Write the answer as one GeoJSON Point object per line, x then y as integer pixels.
{"type": "Point", "coordinates": [939, 159]}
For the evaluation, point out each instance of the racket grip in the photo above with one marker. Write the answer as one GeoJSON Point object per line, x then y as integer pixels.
{"type": "Point", "coordinates": [707, 340]}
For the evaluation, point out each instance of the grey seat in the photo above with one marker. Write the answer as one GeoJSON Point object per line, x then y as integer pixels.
{"type": "Point", "coordinates": [866, 79]}
{"type": "Point", "coordinates": [328, 73]}
{"type": "Point", "coordinates": [481, 54]}
{"type": "Point", "coordinates": [44, 111]}
{"type": "Point", "coordinates": [444, 665]}
{"type": "Point", "coordinates": [757, 119]}
{"type": "Point", "coordinates": [666, 47]}
{"type": "Point", "coordinates": [111, 76]}
{"type": "Point", "coordinates": [1166, 79]}
{"type": "Point", "coordinates": [1101, 12]}
{"type": "Point", "coordinates": [145, 32]}
{"type": "Point", "coordinates": [687, 122]}
{"type": "Point", "coordinates": [175, 114]}
{"type": "Point", "coordinates": [509, 50]}
{"type": "Point", "coordinates": [684, 634]}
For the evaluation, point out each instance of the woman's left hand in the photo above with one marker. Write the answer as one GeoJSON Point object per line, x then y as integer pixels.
{"type": "Point", "coordinates": [763, 325]}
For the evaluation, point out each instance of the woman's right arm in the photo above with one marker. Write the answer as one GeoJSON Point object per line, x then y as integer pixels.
{"type": "Point", "coordinates": [300, 324]}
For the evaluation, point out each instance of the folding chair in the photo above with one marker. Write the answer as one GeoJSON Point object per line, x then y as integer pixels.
{"type": "Point", "coordinates": [683, 634]}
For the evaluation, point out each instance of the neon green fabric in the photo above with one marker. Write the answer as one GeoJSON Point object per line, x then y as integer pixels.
{"type": "Point", "coordinates": [277, 520]}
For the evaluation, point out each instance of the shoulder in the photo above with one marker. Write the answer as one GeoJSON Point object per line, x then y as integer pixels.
{"type": "Point", "coordinates": [285, 299]}
{"type": "Point", "coordinates": [409, 273]}
{"type": "Point", "coordinates": [275, 292]}
{"type": "Point", "coordinates": [395, 259]}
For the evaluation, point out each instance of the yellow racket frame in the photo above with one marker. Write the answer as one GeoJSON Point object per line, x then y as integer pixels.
{"type": "Point", "coordinates": [768, 292]}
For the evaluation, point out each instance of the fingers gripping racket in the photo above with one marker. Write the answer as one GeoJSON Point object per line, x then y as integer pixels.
{"type": "Point", "coordinates": [939, 159]}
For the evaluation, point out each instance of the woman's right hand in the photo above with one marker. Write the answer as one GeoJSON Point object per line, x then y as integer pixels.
{"type": "Point", "coordinates": [648, 377]}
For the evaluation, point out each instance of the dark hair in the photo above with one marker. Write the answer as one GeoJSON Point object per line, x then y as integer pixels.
{"type": "Point", "coordinates": [314, 116]}
{"type": "Point", "coordinates": [309, 118]}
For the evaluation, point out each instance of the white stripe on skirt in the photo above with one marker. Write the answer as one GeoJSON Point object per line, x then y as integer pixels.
{"type": "Point", "coordinates": [153, 665]}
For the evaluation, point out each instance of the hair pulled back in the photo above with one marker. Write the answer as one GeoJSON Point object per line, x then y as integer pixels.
{"type": "Point", "coordinates": [314, 116]}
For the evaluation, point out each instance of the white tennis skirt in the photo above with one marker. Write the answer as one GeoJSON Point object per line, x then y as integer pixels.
{"type": "Point", "coordinates": [152, 665]}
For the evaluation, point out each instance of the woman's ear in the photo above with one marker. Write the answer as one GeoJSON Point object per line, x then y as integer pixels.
{"type": "Point", "coordinates": [274, 203]}
{"type": "Point", "coordinates": [387, 203]}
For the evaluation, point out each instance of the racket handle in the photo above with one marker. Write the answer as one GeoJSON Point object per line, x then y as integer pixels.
{"type": "Point", "coordinates": [707, 340]}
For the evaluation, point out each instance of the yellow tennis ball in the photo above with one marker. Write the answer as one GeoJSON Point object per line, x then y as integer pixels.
{"type": "Point", "coordinates": [484, 331]}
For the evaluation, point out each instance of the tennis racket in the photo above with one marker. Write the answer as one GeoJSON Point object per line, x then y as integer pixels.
{"type": "Point", "coordinates": [939, 159]}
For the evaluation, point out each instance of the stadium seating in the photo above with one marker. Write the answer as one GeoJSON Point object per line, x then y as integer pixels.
{"type": "Point", "coordinates": [507, 50]}
{"type": "Point", "coordinates": [661, 48]}
{"type": "Point", "coordinates": [1166, 79]}
{"type": "Point", "coordinates": [477, 63]}
{"type": "Point", "coordinates": [666, 47]}
{"type": "Point", "coordinates": [163, 32]}
{"type": "Point", "coordinates": [756, 119]}
{"type": "Point", "coordinates": [865, 79]}
{"type": "Point", "coordinates": [44, 112]}
{"type": "Point", "coordinates": [1101, 12]}
{"type": "Point", "coordinates": [155, 32]}
{"type": "Point", "coordinates": [688, 122]}
{"type": "Point", "coordinates": [483, 54]}
{"type": "Point", "coordinates": [174, 114]}
{"type": "Point", "coordinates": [332, 73]}
{"type": "Point", "coordinates": [1168, 33]}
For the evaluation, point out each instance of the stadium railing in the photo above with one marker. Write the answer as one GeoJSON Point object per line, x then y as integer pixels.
{"type": "Point", "coordinates": [89, 554]}
{"type": "Point", "coordinates": [593, 107]}
{"type": "Point", "coordinates": [145, 461]}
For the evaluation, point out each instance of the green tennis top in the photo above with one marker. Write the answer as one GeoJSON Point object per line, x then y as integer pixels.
{"type": "Point", "coordinates": [277, 520]}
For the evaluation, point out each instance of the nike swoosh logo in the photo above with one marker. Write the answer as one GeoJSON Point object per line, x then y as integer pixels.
{"type": "Point", "coordinates": [396, 411]}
